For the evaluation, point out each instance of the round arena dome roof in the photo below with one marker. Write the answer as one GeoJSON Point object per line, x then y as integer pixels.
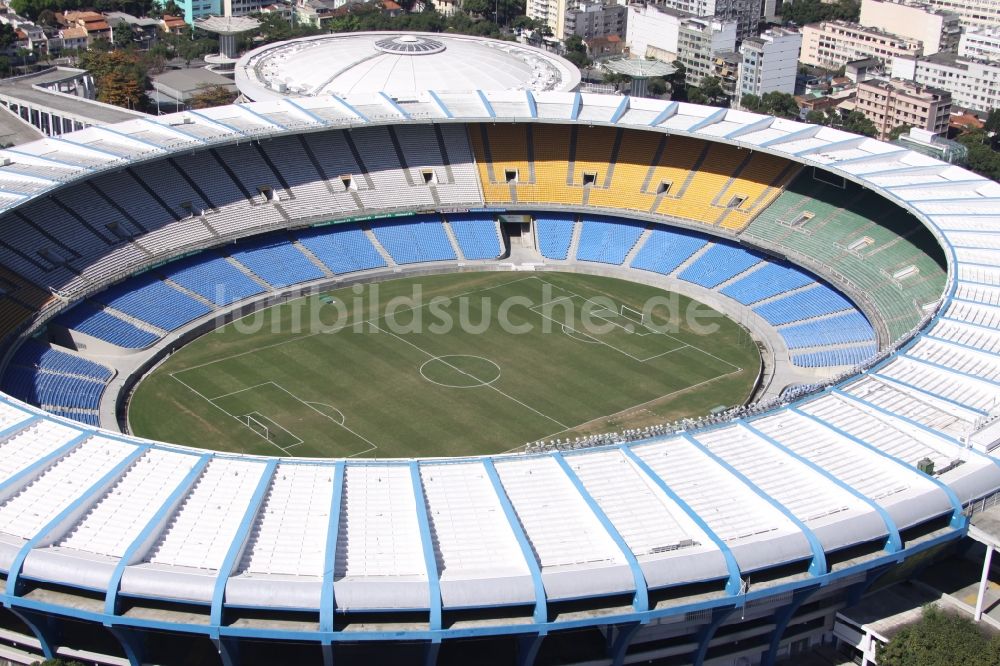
{"type": "Point", "coordinates": [398, 63]}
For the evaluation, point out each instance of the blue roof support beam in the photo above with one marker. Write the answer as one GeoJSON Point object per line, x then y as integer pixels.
{"type": "Point", "coordinates": [344, 103]}
{"type": "Point", "coordinates": [394, 105]}
{"type": "Point", "coordinates": [706, 633]}
{"type": "Point", "coordinates": [427, 542]}
{"type": "Point", "coordinates": [913, 387]}
{"type": "Point", "coordinates": [893, 542]}
{"type": "Point", "coordinates": [59, 525]}
{"type": "Point", "coordinates": [781, 620]}
{"type": "Point", "coordinates": [622, 109]}
{"type": "Point", "coordinates": [218, 123]}
{"type": "Point", "coordinates": [441, 105]}
{"type": "Point", "coordinates": [303, 110]}
{"type": "Point", "coordinates": [327, 597]}
{"type": "Point", "coordinates": [882, 410]}
{"type": "Point", "coordinates": [23, 477]}
{"type": "Point", "coordinates": [936, 186]}
{"type": "Point", "coordinates": [640, 601]}
{"type": "Point", "coordinates": [757, 126]}
{"type": "Point", "coordinates": [249, 109]}
{"type": "Point", "coordinates": [486, 104]}
{"type": "Point", "coordinates": [949, 370]}
{"type": "Point", "coordinates": [88, 148]}
{"type": "Point", "coordinates": [804, 133]}
{"type": "Point", "coordinates": [541, 610]}
{"type": "Point", "coordinates": [669, 111]}
{"type": "Point", "coordinates": [833, 145]}
{"type": "Point", "coordinates": [173, 130]}
{"type": "Point", "coordinates": [128, 137]}
{"type": "Point", "coordinates": [577, 105]}
{"type": "Point", "coordinates": [619, 647]}
{"type": "Point", "coordinates": [958, 519]}
{"type": "Point", "coordinates": [958, 202]}
{"type": "Point", "coordinates": [239, 542]}
{"type": "Point", "coordinates": [716, 117]}
{"type": "Point", "coordinates": [818, 565]}
{"type": "Point", "coordinates": [735, 582]}
{"type": "Point", "coordinates": [532, 104]}
{"type": "Point", "coordinates": [873, 157]}
{"type": "Point", "coordinates": [51, 160]}
{"type": "Point", "coordinates": [15, 428]}
{"type": "Point", "coordinates": [147, 537]}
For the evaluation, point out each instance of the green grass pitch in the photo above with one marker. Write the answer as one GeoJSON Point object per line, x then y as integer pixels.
{"type": "Point", "coordinates": [332, 375]}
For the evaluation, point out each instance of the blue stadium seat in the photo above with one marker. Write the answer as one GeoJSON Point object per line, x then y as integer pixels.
{"type": "Point", "coordinates": [806, 304]}
{"type": "Point", "coordinates": [343, 248]}
{"type": "Point", "coordinates": [718, 264]}
{"type": "Point", "coordinates": [766, 282]}
{"type": "Point", "coordinates": [34, 355]}
{"type": "Point", "coordinates": [833, 357]}
{"type": "Point", "coordinates": [149, 299]}
{"type": "Point", "coordinates": [555, 233]}
{"type": "Point", "coordinates": [88, 319]}
{"type": "Point", "coordinates": [212, 277]}
{"type": "Point", "coordinates": [842, 329]}
{"type": "Point", "coordinates": [276, 261]}
{"type": "Point", "coordinates": [608, 240]}
{"type": "Point", "coordinates": [49, 388]}
{"type": "Point", "coordinates": [666, 249]}
{"type": "Point", "coordinates": [476, 234]}
{"type": "Point", "coordinates": [414, 239]}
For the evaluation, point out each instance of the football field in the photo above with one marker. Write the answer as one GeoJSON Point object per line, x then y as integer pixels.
{"type": "Point", "coordinates": [457, 364]}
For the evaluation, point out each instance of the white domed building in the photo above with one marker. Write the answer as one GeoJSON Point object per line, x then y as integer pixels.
{"type": "Point", "coordinates": [398, 63]}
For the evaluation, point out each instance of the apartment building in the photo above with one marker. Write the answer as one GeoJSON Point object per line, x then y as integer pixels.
{"type": "Point", "coordinates": [769, 62]}
{"type": "Point", "coordinates": [891, 103]}
{"type": "Point", "coordinates": [937, 29]}
{"type": "Point", "coordinates": [973, 83]}
{"type": "Point", "coordinates": [832, 44]}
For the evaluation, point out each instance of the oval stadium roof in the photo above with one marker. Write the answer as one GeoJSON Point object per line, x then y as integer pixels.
{"type": "Point", "coordinates": [398, 63]}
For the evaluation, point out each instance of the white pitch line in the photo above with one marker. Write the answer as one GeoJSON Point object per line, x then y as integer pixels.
{"type": "Point", "coordinates": [233, 416]}
{"type": "Point", "coordinates": [459, 370]}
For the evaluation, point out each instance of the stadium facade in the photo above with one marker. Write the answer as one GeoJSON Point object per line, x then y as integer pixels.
{"type": "Point", "coordinates": [735, 541]}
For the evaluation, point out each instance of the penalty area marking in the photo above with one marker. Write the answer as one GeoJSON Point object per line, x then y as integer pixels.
{"type": "Point", "coordinates": [441, 359]}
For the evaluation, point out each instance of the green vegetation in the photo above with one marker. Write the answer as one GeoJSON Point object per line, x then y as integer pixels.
{"type": "Point", "coordinates": [855, 121]}
{"type": "Point", "coordinates": [984, 150]}
{"type": "Point", "coordinates": [777, 104]}
{"type": "Point", "coordinates": [812, 11]}
{"type": "Point", "coordinates": [210, 96]}
{"type": "Point", "coordinates": [940, 638]}
{"type": "Point", "coordinates": [360, 386]}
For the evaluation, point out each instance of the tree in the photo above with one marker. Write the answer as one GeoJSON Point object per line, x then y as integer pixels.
{"type": "Point", "coordinates": [122, 35]}
{"type": "Point", "coordinates": [576, 51]}
{"type": "Point", "coordinates": [858, 123]}
{"type": "Point", "coordinates": [656, 86]}
{"type": "Point", "coordinates": [813, 11]}
{"type": "Point", "coordinates": [709, 92]}
{"type": "Point", "coordinates": [750, 102]}
{"type": "Point", "coordinates": [899, 131]}
{"type": "Point", "coordinates": [772, 103]}
{"type": "Point", "coordinates": [982, 158]}
{"type": "Point", "coordinates": [678, 82]}
{"type": "Point", "coordinates": [940, 638]}
{"type": "Point", "coordinates": [817, 117]}
{"type": "Point", "coordinates": [208, 96]}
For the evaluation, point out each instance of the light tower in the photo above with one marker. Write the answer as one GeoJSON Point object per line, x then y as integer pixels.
{"type": "Point", "coordinates": [226, 27]}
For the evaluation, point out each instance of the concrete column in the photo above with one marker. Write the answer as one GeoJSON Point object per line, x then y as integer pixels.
{"type": "Point", "coordinates": [983, 582]}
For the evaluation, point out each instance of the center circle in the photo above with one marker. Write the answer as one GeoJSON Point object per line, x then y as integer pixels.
{"type": "Point", "coordinates": [460, 371]}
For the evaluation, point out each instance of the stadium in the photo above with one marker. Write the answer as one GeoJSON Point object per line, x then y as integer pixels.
{"type": "Point", "coordinates": [868, 275]}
